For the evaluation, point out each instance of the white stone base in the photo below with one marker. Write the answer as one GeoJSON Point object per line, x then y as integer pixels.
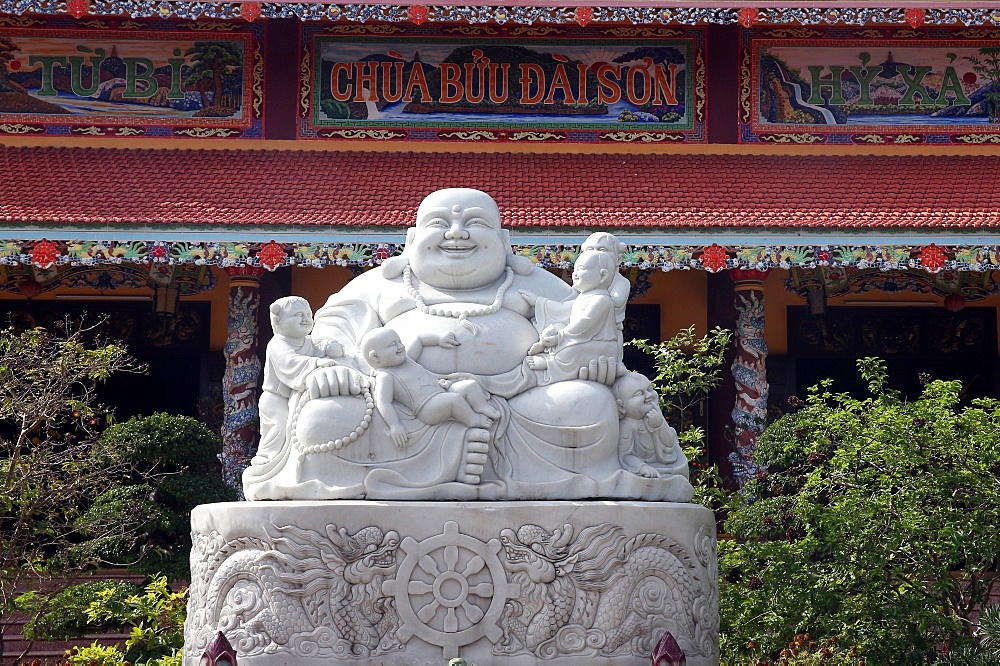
{"type": "Point", "coordinates": [362, 582]}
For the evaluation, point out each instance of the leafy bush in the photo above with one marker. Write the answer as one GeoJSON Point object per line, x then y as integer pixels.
{"type": "Point", "coordinates": [64, 615]}
{"type": "Point", "coordinates": [126, 516]}
{"type": "Point", "coordinates": [166, 442]}
{"type": "Point", "coordinates": [155, 618]}
{"type": "Point", "coordinates": [94, 655]}
{"type": "Point", "coordinates": [986, 650]}
{"type": "Point", "coordinates": [877, 521]}
{"type": "Point", "coordinates": [178, 454]}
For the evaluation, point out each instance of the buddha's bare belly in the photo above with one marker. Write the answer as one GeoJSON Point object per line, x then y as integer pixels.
{"type": "Point", "coordinates": [500, 342]}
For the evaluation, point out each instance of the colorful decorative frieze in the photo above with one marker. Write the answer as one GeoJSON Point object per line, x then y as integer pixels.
{"type": "Point", "coordinates": [872, 85]}
{"type": "Point", "coordinates": [839, 281]}
{"type": "Point", "coordinates": [524, 15]}
{"type": "Point", "coordinates": [125, 78]}
{"type": "Point", "coordinates": [505, 84]}
{"type": "Point", "coordinates": [45, 254]}
{"type": "Point", "coordinates": [187, 279]}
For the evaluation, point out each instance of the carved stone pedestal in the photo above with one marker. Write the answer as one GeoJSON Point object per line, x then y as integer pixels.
{"type": "Point", "coordinates": [361, 582]}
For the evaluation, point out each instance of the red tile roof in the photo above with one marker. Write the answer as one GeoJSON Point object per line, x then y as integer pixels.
{"type": "Point", "coordinates": [101, 186]}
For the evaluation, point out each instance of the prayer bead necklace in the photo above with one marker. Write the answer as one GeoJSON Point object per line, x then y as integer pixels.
{"type": "Point", "coordinates": [467, 311]}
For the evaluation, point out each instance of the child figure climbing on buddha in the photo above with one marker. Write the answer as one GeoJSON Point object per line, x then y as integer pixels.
{"type": "Point", "coordinates": [582, 329]}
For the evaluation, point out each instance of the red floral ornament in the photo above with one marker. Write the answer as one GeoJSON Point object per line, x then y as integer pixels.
{"type": "Point", "coordinates": [823, 256]}
{"type": "Point", "coordinates": [932, 258]}
{"type": "Point", "coordinates": [954, 302]}
{"type": "Point", "coordinates": [714, 258]}
{"type": "Point", "coordinates": [250, 11]}
{"type": "Point", "coordinates": [748, 16]}
{"type": "Point", "coordinates": [159, 252]}
{"type": "Point", "coordinates": [915, 17]}
{"type": "Point", "coordinates": [29, 288]}
{"type": "Point", "coordinates": [584, 15]}
{"type": "Point", "coordinates": [418, 14]}
{"type": "Point", "coordinates": [382, 253]}
{"type": "Point", "coordinates": [77, 8]}
{"type": "Point", "coordinates": [271, 256]}
{"type": "Point", "coordinates": [44, 254]}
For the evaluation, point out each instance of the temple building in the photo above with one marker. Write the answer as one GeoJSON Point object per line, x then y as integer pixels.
{"type": "Point", "coordinates": [818, 176]}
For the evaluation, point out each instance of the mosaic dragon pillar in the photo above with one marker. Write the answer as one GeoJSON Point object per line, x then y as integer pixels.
{"type": "Point", "coordinates": [749, 370]}
{"type": "Point", "coordinates": [241, 381]}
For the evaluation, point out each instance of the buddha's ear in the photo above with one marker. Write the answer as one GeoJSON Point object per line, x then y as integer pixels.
{"type": "Point", "coordinates": [393, 266]}
{"type": "Point", "coordinates": [520, 265]}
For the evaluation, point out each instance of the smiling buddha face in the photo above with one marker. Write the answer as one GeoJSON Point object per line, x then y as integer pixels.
{"type": "Point", "coordinates": [457, 242]}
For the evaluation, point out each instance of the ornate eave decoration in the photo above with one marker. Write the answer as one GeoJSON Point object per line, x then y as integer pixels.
{"type": "Point", "coordinates": [524, 15]}
{"type": "Point", "coordinates": [840, 281]}
{"type": "Point", "coordinates": [45, 254]}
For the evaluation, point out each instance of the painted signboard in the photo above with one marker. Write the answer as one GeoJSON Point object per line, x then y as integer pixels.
{"type": "Point", "coordinates": [870, 86]}
{"type": "Point", "coordinates": [580, 87]}
{"type": "Point", "coordinates": [129, 79]}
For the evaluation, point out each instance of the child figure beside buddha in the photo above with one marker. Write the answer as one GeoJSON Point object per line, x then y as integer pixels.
{"type": "Point", "coordinates": [648, 445]}
{"type": "Point", "coordinates": [292, 355]}
{"type": "Point", "coordinates": [572, 333]}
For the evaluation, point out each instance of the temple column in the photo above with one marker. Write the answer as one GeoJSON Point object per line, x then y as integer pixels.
{"type": "Point", "coordinates": [241, 381]}
{"type": "Point", "coordinates": [749, 370]}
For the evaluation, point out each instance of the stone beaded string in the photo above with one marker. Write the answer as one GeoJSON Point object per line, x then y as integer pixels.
{"type": "Point", "coordinates": [334, 444]}
{"type": "Point", "coordinates": [435, 311]}
{"type": "Point", "coordinates": [461, 315]}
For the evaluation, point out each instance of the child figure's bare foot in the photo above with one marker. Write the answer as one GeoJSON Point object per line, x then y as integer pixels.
{"type": "Point", "coordinates": [536, 362]}
{"type": "Point", "coordinates": [478, 401]}
{"type": "Point", "coordinates": [477, 398]}
{"type": "Point", "coordinates": [487, 410]}
{"type": "Point", "coordinates": [481, 421]}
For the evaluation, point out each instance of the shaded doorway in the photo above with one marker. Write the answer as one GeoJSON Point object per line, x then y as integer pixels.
{"type": "Point", "coordinates": [960, 345]}
{"type": "Point", "coordinates": [174, 348]}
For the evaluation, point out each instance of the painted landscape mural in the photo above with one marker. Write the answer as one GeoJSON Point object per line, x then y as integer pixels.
{"type": "Point", "coordinates": [127, 83]}
{"type": "Point", "coordinates": [850, 90]}
{"type": "Point", "coordinates": [583, 90]}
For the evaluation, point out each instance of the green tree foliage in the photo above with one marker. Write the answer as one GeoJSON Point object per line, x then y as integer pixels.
{"type": "Point", "coordinates": [143, 521]}
{"type": "Point", "coordinates": [988, 66]}
{"type": "Point", "coordinates": [211, 62]}
{"type": "Point", "coordinates": [877, 522]}
{"type": "Point", "coordinates": [64, 615]}
{"type": "Point", "coordinates": [51, 467]}
{"type": "Point", "coordinates": [179, 469]}
{"type": "Point", "coordinates": [688, 367]}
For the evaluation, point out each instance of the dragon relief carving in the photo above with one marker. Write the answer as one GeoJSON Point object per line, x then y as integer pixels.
{"type": "Point", "coordinates": [601, 594]}
{"type": "Point", "coordinates": [315, 595]}
{"type": "Point", "coordinates": [333, 594]}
